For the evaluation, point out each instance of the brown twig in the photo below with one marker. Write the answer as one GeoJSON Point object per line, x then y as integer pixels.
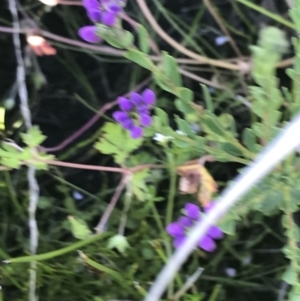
{"type": "Point", "coordinates": [103, 221]}
{"type": "Point", "coordinates": [148, 15]}
{"type": "Point", "coordinates": [218, 19]}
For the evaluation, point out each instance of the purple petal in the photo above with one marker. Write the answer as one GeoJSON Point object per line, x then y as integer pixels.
{"type": "Point", "coordinates": [120, 116]}
{"type": "Point", "coordinates": [109, 18]}
{"type": "Point", "coordinates": [143, 109]}
{"type": "Point", "coordinates": [136, 98]}
{"type": "Point", "coordinates": [149, 97]}
{"type": "Point", "coordinates": [90, 4]}
{"type": "Point", "coordinates": [178, 241]}
{"type": "Point", "coordinates": [88, 34]}
{"type": "Point", "coordinates": [192, 211]}
{"type": "Point", "coordinates": [185, 221]}
{"type": "Point", "coordinates": [127, 124]}
{"type": "Point", "coordinates": [175, 229]}
{"type": "Point", "coordinates": [215, 232]}
{"type": "Point", "coordinates": [136, 132]}
{"type": "Point", "coordinates": [125, 104]}
{"type": "Point", "coordinates": [94, 15]}
{"type": "Point", "coordinates": [115, 7]}
{"type": "Point", "coordinates": [145, 120]}
{"type": "Point", "coordinates": [207, 244]}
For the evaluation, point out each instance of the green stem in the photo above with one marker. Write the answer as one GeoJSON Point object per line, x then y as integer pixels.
{"type": "Point", "coordinates": [267, 13]}
{"type": "Point", "coordinates": [172, 188]}
{"type": "Point", "coordinates": [60, 252]}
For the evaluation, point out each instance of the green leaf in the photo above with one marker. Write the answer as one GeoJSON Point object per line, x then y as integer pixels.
{"type": "Point", "coordinates": [185, 94]}
{"type": "Point", "coordinates": [140, 58]}
{"type": "Point", "coordinates": [33, 137]}
{"type": "Point", "coordinates": [170, 68]}
{"type": "Point", "coordinates": [231, 149]}
{"type": "Point", "coordinates": [184, 126]}
{"type": "Point", "coordinates": [143, 38]}
{"type": "Point", "coordinates": [117, 142]}
{"type": "Point", "coordinates": [227, 226]}
{"type": "Point", "coordinates": [139, 186]}
{"type": "Point", "coordinates": [184, 106]}
{"type": "Point", "coordinates": [162, 81]}
{"type": "Point", "coordinates": [119, 242]}
{"type": "Point", "coordinates": [207, 98]}
{"type": "Point", "coordinates": [79, 228]}
{"type": "Point", "coordinates": [163, 117]}
{"type": "Point", "coordinates": [249, 139]}
{"type": "Point", "coordinates": [290, 276]}
{"type": "Point", "coordinates": [116, 37]}
{"type": "Point", "coordinates": [212, 125]}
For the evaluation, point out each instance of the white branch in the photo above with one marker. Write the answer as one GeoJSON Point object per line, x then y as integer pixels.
{"type": "Point", "coordinates": [32, 182]}
{"type": "Point", "coordinates": [280, 148]}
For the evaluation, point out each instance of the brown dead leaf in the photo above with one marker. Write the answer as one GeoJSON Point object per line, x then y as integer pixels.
{"type": "Point", "coordinates": [196, 179]}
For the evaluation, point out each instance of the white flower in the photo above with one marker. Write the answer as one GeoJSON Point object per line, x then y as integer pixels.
{"type": "Point", "coordinates": [161, 138]}
{"type": "Point", "coordinates": [181, 133]}
{"type": "Point", "coordinates": [219, 41]}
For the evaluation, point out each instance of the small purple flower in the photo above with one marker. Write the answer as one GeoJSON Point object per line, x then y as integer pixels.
{"type": "Point", "coordinates": [136, 132]}
{"type": "Point", "coordinates": [125, 104]}
{"type": "Point", "coordinates": [109, 18]}
{"type": "Point", "coordinates": [185, 221]}
{"type": "Point", "coordinates": [88, 34]}
{"type": "Point", "coordinates": [192, 211]}
{"type": "Point", "coordinates": [95, 15]}
{"type": "Point", "coordinates": [127, 124]}
{"type": "Point", "coordinates": [135, 114]}
{"type": "Point", "coordinates": [136, 98]}
{"type": "Point", "coordinates": [149, 97]}
{"type": "Point", "coordinates": [143, 109]}
{"type": "Point", "coordinates": [145, 120]}
{"type": "Point", "coordinates": [90, 4]}
{"type": "Point", "coordinates": [179, 230]}
{"type": "Point", "coordinates": [175, 229]}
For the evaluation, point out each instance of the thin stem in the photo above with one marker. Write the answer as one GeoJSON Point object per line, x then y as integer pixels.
{"type": "Point", "coordinates": [60, 252]}
{"type": "Point", "coordinates": [172, 188]}
{"type": "Point", "coordinates": [144, 8]}
{"type": "Point", "coordinates": [218, 19]}
{"type": "Point", "coordinates": [267, 13]}
{"type": "Point", "coordinates": [189, 282]}
{"type": "Point", "coordinates": [127, 202]}
{"type": "Point", "coordinates": [103, 221]}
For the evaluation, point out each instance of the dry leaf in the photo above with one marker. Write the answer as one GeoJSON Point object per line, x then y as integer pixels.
{"type": "Point", "coordinates": [196, 179]}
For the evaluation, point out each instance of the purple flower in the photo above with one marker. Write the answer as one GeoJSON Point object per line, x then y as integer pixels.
{"type": "Point", "coordinates": [88, 34]}
{"type": "Point", "coordinates": [179, 230]}
{"type": "Point", "coordinates": [143, 109]}
{"type": "Point", "coordinates": [90, 4]}
{"type": "Point", "coordinates": [125, 104]}
{"type": "Point", "coordinates": [135, 104]}
{"type": "Point", "coordinates": [149, 97]}
{"type": "Point", "coordinates": [175, 229]}
{"type": "Point", "coordinates": [192, 211]}
{"type": "Point", "coordinates": [120, 116]}
{"type": "Point", "coordinates": [145, 120]}
{"type": "Point", "coordinates": [136, 98]}
{"type": "Point", "coordinates": [127, 124]}
{"type": "Point", "coordinates": [95, 15]}
{"type": "Point", "coordinates": [136, 132]}
{"type": "Point", "coordinates": [109, 18]}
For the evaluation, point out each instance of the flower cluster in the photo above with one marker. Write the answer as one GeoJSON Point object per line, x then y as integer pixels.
{"type": "Point", "coordinates": [135, 114]}
{"type": "Point", "coordinates": [179, 229]}
{"type": "Point", "coordinates": [100, 11]}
